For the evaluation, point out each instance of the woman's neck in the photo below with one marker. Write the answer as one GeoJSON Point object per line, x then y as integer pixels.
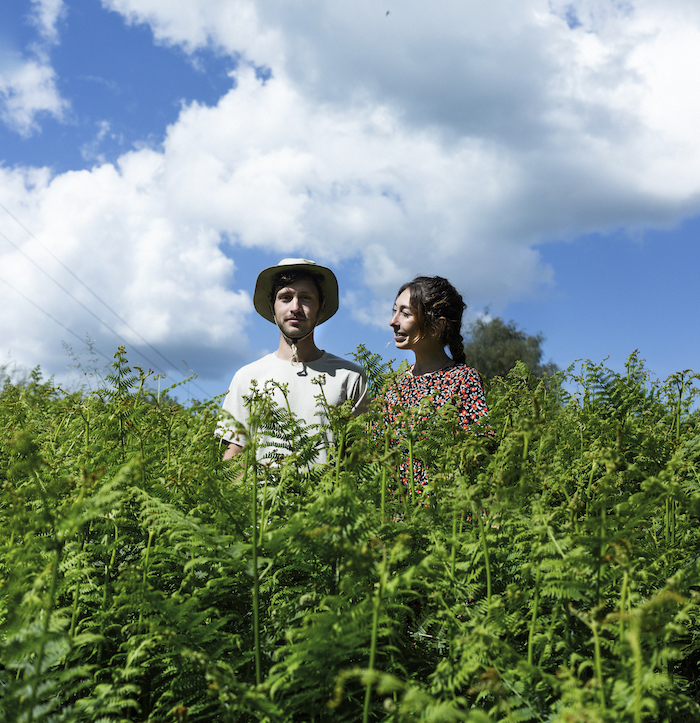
{"type": "Point", "coordinates": [430, 360]}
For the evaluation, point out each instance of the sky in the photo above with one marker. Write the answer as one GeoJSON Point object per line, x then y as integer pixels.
{"type": "Point", "coordinates": [155, 155]}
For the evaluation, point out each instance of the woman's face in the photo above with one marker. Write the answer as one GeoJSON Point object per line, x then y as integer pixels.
{"type": "Point", "coordinates": [407, 332]}
{"type": "Point", "coordinates": [404, 324]}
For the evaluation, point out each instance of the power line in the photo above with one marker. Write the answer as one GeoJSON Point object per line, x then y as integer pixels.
{"type": "Point", "coordinates": [53, 318]}
{"type": "Point", "coordinates": [77, 301]}
{"type": "Point", "coordinates": [82, 283]}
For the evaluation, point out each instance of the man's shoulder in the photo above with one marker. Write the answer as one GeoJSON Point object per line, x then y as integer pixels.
{"type": "Point", "coordinates": [332, 362]}
{"type": "Point", "coordinates": [253, 369]}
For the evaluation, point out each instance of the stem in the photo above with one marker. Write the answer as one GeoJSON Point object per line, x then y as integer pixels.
{"type": "Point", "coordinates": [376, 602]}
{"type": "Point", "coordinates": [453, 557]}
{"type": "Point", "coordinates": [678, 412]}
{"type": "Point", "coordinates": [138, 391]}
{"type": "Point", "coordinates": [550, 636]}
{"type": "Point", "coordinates": [674, 507]}
{"type": "Point", "coordinates": [167, 447]}
{"type": "Point", "coordinates": [588, 492]}
{"type": "Point", "coordinates": [404, 500]}
{"type": "Point", "coordinates": [623, 595]}
{"type": "Point", "coordinates": [262, 510]}
{"type": "Point", "coordinates": [600, 550]}
{"type": "Point", "coordinates": [108, 568]}
{"type": "Point", "coordinates": [637, 655]}
{"type": "Point", "coordinates": [598, 664]}
{"type": "Point", "coordinates": [410, 470]}
{"type": "Point", "coordinates": [487, 565]}
{"type": "Point", "coordinates": [256, 581]}
{"type": "Point", "coordinates": [531, 636]}
{"type": "Point", "coordinates": [76, 594]}
{"type": "Point", "coordinates": [383, 490]}
{"type": "Point", "coordinates": [341, 445]}
{"type": "Point", "coordinates": [107, 588]}
{"type": "Point", "coordinates": [144, 580]}
{"type": "Point", "coordinates": [45, 628]}
{"type": "Point", "coordinates": [526, 444]}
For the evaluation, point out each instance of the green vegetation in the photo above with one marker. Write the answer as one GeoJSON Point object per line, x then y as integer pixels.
{"type": "Point", "coordinates": [494, 347]}
{"type": "Point", "coordinates": [550, 573]}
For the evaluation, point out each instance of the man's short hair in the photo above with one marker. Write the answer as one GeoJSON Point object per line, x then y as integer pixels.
{"type": "Point", "coordinates": [285, 278]}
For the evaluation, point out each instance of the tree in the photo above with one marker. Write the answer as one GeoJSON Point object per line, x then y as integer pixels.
{"type": "Point", "coordinates": [493, 347]}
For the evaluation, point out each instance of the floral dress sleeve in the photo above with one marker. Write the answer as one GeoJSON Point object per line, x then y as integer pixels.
{"type": "Point", "coordinates": [471, 397]}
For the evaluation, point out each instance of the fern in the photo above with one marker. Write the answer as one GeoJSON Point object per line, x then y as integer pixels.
{"type": "Point", "coordinates": [550, 574]}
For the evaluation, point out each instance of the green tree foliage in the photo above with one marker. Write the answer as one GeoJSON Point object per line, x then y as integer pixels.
{"type": "Point", "coordinates": [548, 572]}
{"type": "Point", "coordinates": [493, 347]}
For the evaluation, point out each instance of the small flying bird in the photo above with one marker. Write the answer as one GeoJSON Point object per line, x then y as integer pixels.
{"type": "Point", "coordinates": [387, 12]}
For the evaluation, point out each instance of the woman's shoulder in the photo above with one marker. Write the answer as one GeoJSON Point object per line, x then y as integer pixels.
{"type": "Point", "coordinates": [466, 375]}
{"type": "Point", "coordinates": [454, 373]}
{"type": "Point", "coordinates": [459, 369]}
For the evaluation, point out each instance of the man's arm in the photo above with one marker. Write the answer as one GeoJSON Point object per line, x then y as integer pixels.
{"type": "Point", "coordinates": [232, 449]}
{"type": "Point", "coordinates": [234, 406]}
{"type": "Point", "coordinates": [359, 396]}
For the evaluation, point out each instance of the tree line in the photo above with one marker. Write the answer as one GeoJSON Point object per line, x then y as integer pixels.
{"type": "Point", "coordinates": [493, 347]}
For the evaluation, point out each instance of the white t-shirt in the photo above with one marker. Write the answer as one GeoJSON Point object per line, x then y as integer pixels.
{"type": "Point", "coordinates": [344, 380]}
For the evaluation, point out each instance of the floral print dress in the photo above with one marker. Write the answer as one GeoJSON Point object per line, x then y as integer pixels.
{"type": "Point", "coordinates": [458, 384]}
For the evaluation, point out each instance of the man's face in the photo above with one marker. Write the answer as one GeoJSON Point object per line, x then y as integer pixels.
{"type": "Point", "coordinates": [296, 308]}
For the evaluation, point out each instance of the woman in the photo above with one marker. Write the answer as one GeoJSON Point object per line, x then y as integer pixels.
{"type": "Point", "coordinates": [427, 317]}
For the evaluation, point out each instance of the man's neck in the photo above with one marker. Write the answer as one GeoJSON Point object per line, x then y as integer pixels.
{"type": "Point", "coordinates": [307, 351]}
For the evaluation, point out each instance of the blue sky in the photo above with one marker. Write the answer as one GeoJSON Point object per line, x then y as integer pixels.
{"type": "Point", "coordinates": [156, 154]}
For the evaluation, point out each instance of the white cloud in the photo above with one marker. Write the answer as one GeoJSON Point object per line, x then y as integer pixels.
{"type": "Point", "coordinates": [599, 90]}
{"type": "Point", "coordinates": [229, 26]}
{"type": "Point", "coordinates": [27, 80]}
{"type": "Point", "coordinates": [446, 138]}
{"type": "Point", "coordinates": [116, 230]}
{"type": "Point", "coordinates": [28, 89]}
{"type": "Point", "coordinates": [45, 16]}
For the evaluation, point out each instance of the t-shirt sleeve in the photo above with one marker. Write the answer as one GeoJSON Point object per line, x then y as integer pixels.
{"type": "Point", "coordinates": [358, 394]}
{"type": "Point", "coordinates": [231, 427]}
{"type": "Point", "coordinates": [472, 398]}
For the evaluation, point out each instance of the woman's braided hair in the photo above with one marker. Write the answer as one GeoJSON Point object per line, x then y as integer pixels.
{"type": "Point", "coordinates": [438, 308]}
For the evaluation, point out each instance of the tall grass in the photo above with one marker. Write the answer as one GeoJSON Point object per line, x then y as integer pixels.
{"type": "Point", "coordinates": [549, 572]}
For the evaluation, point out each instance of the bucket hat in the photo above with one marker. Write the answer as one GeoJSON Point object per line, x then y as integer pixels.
{"type": "Point", "coordinates": [263, 287]}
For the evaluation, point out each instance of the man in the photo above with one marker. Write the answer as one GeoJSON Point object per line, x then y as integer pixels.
{"type": "Point", "coordinates": [297, 295]}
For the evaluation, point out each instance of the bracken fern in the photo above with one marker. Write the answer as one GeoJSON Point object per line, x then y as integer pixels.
{"type": "Point", "coordinates": [548, 572]}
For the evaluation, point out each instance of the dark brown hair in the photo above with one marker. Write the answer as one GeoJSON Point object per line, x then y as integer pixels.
{"type": "Point", "coordinates": [284, 278]}
{"type": "Point", "coordinates": [438, 308]}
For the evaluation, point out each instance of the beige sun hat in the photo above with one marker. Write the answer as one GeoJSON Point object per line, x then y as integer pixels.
{"type": "Point", "coordinates": [263, 287]}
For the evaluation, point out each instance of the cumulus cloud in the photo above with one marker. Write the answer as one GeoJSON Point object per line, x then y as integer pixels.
{"type": "Point", "coordinates": [448, 138]}
{"type": "Point", "coordinates": [27, 80]}
{"type": "Point", "coordinates": [28, 89]}
{"type": "Point", "coordinates": [45, 16]}
{"type": "Point", "coordinates": [572, 79]}
{"type": "Point", "coordinates": [113, 228]}
{"type": "Point", "coordinates": [271, 170]}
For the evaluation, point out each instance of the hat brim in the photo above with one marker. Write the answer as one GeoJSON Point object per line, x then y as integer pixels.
{"type": "Point", "coordinates": [263, 287]}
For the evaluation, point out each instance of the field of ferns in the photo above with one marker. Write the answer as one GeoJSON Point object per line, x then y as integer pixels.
{"type": "Point", "coordinates": [549, 572]}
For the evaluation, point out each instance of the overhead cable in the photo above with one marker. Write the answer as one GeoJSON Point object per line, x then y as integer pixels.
{"type": "Point", "coordinates": [53, 318]}
{"type": "Point", "coordinates": [82, 283]}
